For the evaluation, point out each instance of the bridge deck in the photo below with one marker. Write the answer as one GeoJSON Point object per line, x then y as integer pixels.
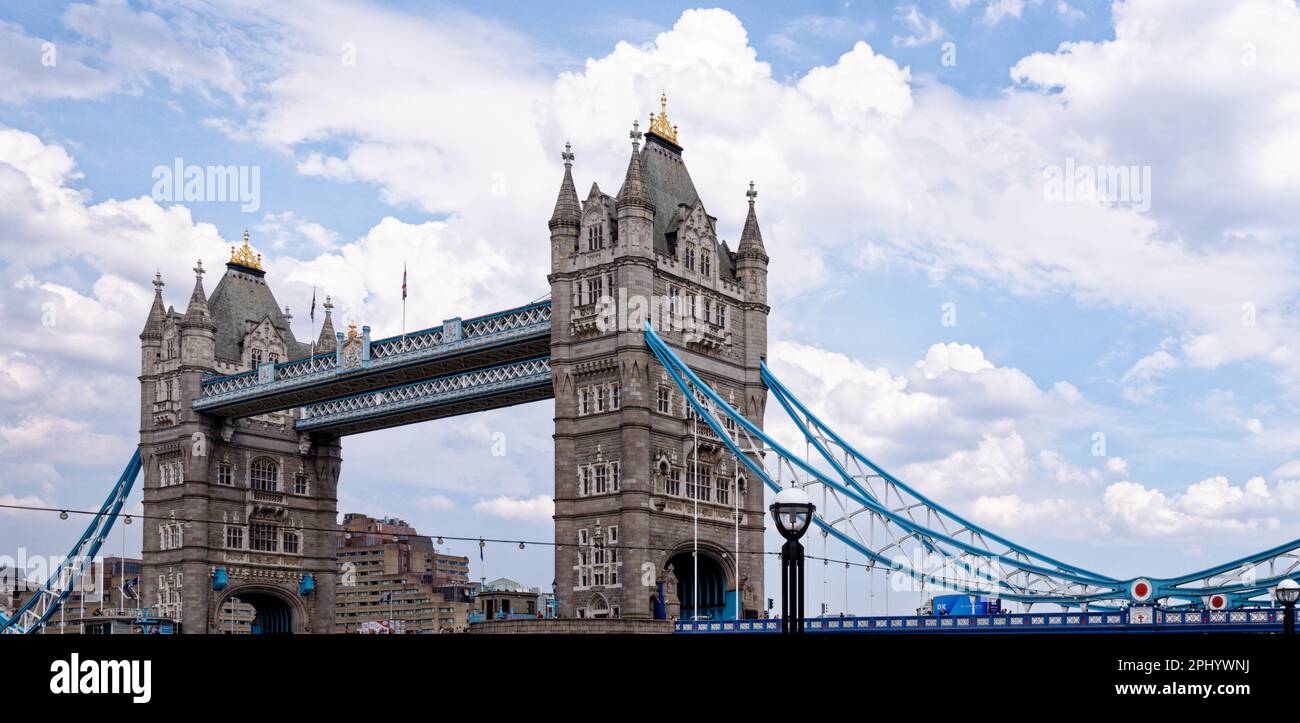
{"type": "Point", "coordinates": [1162, 621]}
{"type": "Point", "coordinates": [454, 347]}
{"type": "Point", "coordinates": [504, 385]}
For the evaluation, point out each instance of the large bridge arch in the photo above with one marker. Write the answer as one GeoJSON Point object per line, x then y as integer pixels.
{"type": "Point", "coordinates": [276, 611]}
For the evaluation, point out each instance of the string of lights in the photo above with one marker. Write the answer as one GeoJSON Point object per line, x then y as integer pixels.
{"type": "Point", "coordinates": [65, 512]}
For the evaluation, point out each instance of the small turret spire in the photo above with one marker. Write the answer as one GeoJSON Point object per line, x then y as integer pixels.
{"type": "Point", "coordinates": [153, 325]}
{"type": "Point", "coordinates": [751, 238]}
{"type": "Point", "coordinates": [634, 190]}
{"type": "Point", "coordinates": [197, 311]}
{"type": "Point", "coordinates": [568, 212]}
{"type": "Point", "coordinates": [327, 342]}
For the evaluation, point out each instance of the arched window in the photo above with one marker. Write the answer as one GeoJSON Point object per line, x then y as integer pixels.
{"type": "Point", "coordinates": [264, 474]}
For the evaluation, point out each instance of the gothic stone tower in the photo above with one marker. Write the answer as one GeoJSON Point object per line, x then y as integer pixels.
{"type": "Point", "coordinates": [625, 456]}
{"type": "Point", "coordinates": [252, 497]}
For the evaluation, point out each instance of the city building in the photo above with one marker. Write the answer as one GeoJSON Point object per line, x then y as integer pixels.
{"type": "Point", "coordinates": [505, 599]}
{"type": "Point", "coordinates": [391, 579]}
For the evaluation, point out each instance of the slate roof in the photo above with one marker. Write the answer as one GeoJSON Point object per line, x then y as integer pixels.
{"type": "Point", "coordinates": [242, 296]}
{"type": "Point", "coordinates": [668, 184]}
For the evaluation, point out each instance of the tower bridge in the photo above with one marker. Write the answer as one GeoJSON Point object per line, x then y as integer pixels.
{"type": "Point", "coordinates": [660, 453]}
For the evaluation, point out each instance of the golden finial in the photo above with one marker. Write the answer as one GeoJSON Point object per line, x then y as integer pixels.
{"type": "Point", "coordinates": [352, 330]}
{"type": "Point", "coordinates": [244, 255]}
{"type": "Point", "coordinates": [659, 124]}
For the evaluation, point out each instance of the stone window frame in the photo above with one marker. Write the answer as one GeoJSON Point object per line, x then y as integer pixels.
{"type": "Point", "coordinates": [258, 477]}
{"type": "Point", "coordinates": [226, 473]}
{"type": "Point", "coordinates": [290, 534]}
{"type": "Point", "coordinates": [171, 535]}
{"type": "Point", "coordinates": [664, 399]}
{"type": "Point", "coordinates": [171, 470]}
{"type": "Point", "coordinates": [235, 533]}
{"type": "Point", "coordinates": [301, 484]}
{"type": "Point", "coordinates": [263, 534]}
{"type": "Point", "coordinates": [600, 478]}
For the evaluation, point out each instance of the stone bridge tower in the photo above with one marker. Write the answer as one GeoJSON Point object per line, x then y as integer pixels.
{"type": "Point", "coordinates": [625, 453]}
{"type": "Point", "coordinates": [232, 508]}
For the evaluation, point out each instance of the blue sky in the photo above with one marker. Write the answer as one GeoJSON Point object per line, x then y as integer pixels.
{"type": "Point", "coordinates": [899, 150]}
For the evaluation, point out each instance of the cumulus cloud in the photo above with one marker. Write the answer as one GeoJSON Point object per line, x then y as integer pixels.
{"type": "Point", "coordinates": [1212, 505]}
{"type": "Point", "coordinates": [922, 30]}
{"type": "Point", "coordinates": [539, 508]}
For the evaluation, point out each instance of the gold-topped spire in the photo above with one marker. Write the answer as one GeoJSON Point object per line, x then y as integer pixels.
{"type": "Point", "coordinates": [659, 124]}
{"type": "Point", "coordinates": [244, 255]}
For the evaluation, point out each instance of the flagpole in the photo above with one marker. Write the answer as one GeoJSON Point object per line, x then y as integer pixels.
{"type": "Point", "coordinates": [403, 299]}
{"type": "Point", "coordinates": [735, 506]}
{"type": "Point", "coordinates": [695, 541]}
{"type": "Point", "coordinates": [312, 319]}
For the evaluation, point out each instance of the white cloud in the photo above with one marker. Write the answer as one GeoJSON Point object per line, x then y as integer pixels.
{"type": "Point", "coordinates": [1068, 11]}
{"type": "Point", "coordinates": [1012, 512]}
{"type": "Point", "coordinates": [39, 68]}
{"type": "Point", "coordinates": [1141, 380]}
{"type": "Point", "coordinates": [942, 358]}
{"type": "Point", "coordinates": [1212, 505]}
{"type": "Point", "coordinates": [995, 465]}
{"type": "Point", "coordinates": [436, 503]}
{"type": "Point", "coordinates": [922, 30]}
{"type": "Point", "coordinates": [998, 10]}
{"type": "Point", "coordinates": [796, 36]}
{"type": "Point", "coordinates": [538, 508]}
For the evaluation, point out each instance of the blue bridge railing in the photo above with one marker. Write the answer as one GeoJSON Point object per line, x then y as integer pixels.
{"type": "Point", "coordinates": [1262, 620]}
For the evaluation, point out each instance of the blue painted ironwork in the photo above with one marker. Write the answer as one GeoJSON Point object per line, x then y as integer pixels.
{"type": "Point", "coordinates": [1163, 621]}
{"type": "Point", "coordinates": [50, 596]}
{"type": "Point", "coordinates": [975, 560]}
{"type": "Point", "coordinates": [398, 351]}
{"type": "Point", "coordinates": [432, 392]}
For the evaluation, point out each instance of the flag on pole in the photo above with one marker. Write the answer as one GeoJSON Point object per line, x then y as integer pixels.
{"type": "Point", "coordinates": [403, 282]}
{"type": "Point", "coordinates": [312, 315]}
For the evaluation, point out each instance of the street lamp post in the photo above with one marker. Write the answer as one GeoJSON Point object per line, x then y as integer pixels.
{"type": "Point", "coordinates": [1286, 592]}
{"type": "Point", "coordinates": [792, 510]}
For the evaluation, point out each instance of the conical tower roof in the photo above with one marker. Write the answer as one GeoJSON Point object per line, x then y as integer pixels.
{"type": "Point", "coordinates": [153, 326]}
{"type": "Point", "coordinates": [751, 238]}
{"type": "Point", "coordinates": [568, 212]}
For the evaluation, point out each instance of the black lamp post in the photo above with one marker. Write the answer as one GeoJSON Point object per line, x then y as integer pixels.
{"type": "Point", "coordinates": [1286, 592]}
{"type": "Point", "coordinates": [792, 510]}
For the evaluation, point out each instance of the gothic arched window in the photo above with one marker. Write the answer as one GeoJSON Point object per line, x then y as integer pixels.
{"type": "Point", "coordinates": [264, 474]}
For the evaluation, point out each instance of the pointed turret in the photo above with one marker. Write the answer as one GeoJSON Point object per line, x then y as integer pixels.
{"type": "Point", "coordinates": [636, 212]}
{"type": "Point", "coordinates": [751, 238]}
{"type": "Point", "coordinates": [566, 219]}
{"type": "Point", "coordinates": [633, 191]}
{"type": "Point", "coordinates": [153, 326]}
{"type": "Point", "coordinates": [568, 212]}
{"type": "Point", "coordinates": [327, 342]}
{"type": "Point", "coordinates": [751, 257]}
{"type": "Point", "coordinates": [198, 330]}
{"type": "Point", "coordinates": [197, 313]}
